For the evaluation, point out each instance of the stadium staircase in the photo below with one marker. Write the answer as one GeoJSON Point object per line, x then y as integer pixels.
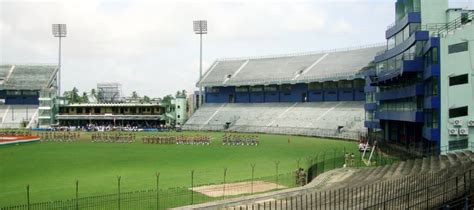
{"type": "Point", "coordinates": [326, 119]}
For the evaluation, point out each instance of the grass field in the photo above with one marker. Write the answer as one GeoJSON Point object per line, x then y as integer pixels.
{"type": "Point", "coordinates": [51, 168]}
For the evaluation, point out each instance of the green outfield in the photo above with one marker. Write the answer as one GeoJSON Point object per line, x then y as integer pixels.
{"type": "Point", "coordinates": [51, 168]}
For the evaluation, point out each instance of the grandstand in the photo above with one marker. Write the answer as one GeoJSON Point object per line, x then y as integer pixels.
{"type": "Point", "coordinates": [343, 119]}
{"type": "Point", "coordinates": [291, 69]}
{"type": "Point", "coordinates": [316, 94]}
{"type": "Point", "coordinates": [20, 88]}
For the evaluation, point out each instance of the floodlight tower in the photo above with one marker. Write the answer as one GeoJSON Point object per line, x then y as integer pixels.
{"type": "Point", "coordinates": [200, 27]}
{"type": "Point", "coordinates": [59, 30]}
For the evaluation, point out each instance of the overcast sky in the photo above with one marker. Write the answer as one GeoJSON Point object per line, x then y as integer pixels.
{"type": "Point", "coordinates": [150, 47]}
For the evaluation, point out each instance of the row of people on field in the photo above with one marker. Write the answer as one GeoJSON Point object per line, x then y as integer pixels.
{"type": "Point", "coordinates": [59, 136]}
{"type": "Point", "coordinates": [15, 133]}
{"type": "Point", "coordinates": [196, 139]}
{"type": "Point", "coordinates": [113, 137]}
{"type": "Point", "coordinates": [236, 139]}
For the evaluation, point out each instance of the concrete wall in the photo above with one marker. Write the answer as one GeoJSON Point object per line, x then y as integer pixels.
{"type": "Point", "coordinates": [181, 110]}
{"type": "Point", "coordinates": [459, 95]}
{"type": "Point", "coordinates": [433, 11]}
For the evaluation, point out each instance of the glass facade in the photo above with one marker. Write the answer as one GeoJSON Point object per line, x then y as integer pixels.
{"type": "Point", "coordinates": [405, 95]}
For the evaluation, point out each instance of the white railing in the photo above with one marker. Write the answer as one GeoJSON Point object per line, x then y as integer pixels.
{"type": "Point", "coordinates": [328, 133]}
{"type": "Point", "coordinates": [286, 80]}
{"type": "Point", "coordinates": [304, 53]}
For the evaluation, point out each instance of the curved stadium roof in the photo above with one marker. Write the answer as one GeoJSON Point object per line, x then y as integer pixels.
{"type": "Point", "coordinates": [26, 77]}
{"type": "Point", "coordinates": [304, 67]}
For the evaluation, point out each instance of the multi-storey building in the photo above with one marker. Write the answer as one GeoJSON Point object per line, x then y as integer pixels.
{"type": "Point", "coordinates": [420, 95]}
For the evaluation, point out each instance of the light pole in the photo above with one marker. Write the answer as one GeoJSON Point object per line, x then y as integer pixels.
{"type": "Point", "coordinates": [59, 30]}
{"type": "Point", "coordinates": [200, 27]}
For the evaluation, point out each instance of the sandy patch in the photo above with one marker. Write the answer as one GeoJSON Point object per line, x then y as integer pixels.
{"type": "Point", "coordinates": [237, 188]}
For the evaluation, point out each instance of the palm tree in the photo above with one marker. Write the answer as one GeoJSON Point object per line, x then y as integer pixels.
{"type": "Point", "coordinates": [85, 98]}
{"type": "Point", "coordinates": [75, 95]}
{"type": "Point", "coordinates": [135, 95]}
{"type": "Point", "coordinates": [93, 92]}
{"type": "Point", "coordinates": [146, 99]}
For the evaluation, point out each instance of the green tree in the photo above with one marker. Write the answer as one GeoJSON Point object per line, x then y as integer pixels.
{"type": "Point", "coordinates": [72, 96]}
{"type": "Point", "coordinates": [145, 99]}
{"type": "Point", "coordinates": [85, 98]}
{"type": "Point", "coordinates": [94, 93]}
{"type": "Point", "coordinates": [100, 96]}
{"type": "Point", "coordinates": [167, 99]}
{"type": "Point", "coordinates": [135, 95]}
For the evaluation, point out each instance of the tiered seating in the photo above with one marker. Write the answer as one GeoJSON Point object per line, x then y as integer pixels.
{"type": "Point", "coordinates": [289, 68]}
{"type": "Point", "coordinates": [30, 77]}
{"type": "Point", "coordinates": [222, 69]}
{"type": "Point", "coordinates": [281, 67]}
{"type": "Point", "coordinates": [14, 115]}
{"type": "Point", "coordinates": [4, 69]}
{"type": "Point", "coordinates": [291, 118]}
{"type": "Point", "coordinates": [343, 62]}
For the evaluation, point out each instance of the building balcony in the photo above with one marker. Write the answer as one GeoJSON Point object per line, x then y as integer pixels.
{"type": "Point", "coordinates": [406, 66]}
{"type": "Point", "coordinates": [407, 116]}
{"type": "Point", "coordinates": [370, 89]}
{"type": "Point", "coordinates": [431, 134]}
{"type": "Point", "coordinates": [411, 17]}
{"type": "Point", "coordinates": [432, 70]}
{"type": "Point", "coordinates": [404, 46]}
{"type": "Point", "coordinates": [432, 102]}
{"type": "Point", "coordinates": [412, 66]}
{"type": "Point", "coordinates": [370, 106]}
{"type": "Point", "coordinates": [406, 92]}
{"type": "Point", "coordinates": [370, 72]}
{"type": "Point", "coordinates": [371, 124]}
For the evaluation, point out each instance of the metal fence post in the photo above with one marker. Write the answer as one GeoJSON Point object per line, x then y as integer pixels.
{"type": "Point", "coordinates": [466, 202]}
{"type": "Point", "coordinates": [118, 188]}
{"type": "Point", "coordinates": [157, 190]}
{"type": "Point", "coordinates": [192, 186]}
{"type": "Point", "coordinates": [223, 190]}
{"type": "Point", "coordinates": [77, 194]}
{"type": "Point", "coordinates": [251, 184]}
{"type": "Point", "coordinates": [408, 200]}
{"type": "Point", "coordinates": [316, 164]}
{"type": "Point", "coordinates": [276, 175]}
{"type": "Point", "coordinates": [457, 182]}
{"type": "Point", "coordinates": [324, 162]}
{"type": "Point", "coordinates": [465, 186]}
{"type": "Point", "coordinates": [28, 196]}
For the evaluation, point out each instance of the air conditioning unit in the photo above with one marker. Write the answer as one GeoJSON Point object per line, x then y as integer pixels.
{"type": "Point", "coordinates": [463, 131]}
{"type": "Point", "coordinates": [453, 131]}
{"type": "Point", "coordinates": [470, 123]}
{"type": "Point", "coordinates": [457, 122]}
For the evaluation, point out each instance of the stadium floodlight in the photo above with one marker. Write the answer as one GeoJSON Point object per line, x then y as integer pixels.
{"type": "Point", "coordinates": [200, 27]}
{"type": "Point", "coordinates": [59, 30]}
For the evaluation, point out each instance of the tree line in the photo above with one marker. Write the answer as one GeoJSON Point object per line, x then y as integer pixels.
{"type": "Point", "coordinates": [74, 96]}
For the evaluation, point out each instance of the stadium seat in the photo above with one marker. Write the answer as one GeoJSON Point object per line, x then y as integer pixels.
{"type": "Point", "coordinates": [312, 119]}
